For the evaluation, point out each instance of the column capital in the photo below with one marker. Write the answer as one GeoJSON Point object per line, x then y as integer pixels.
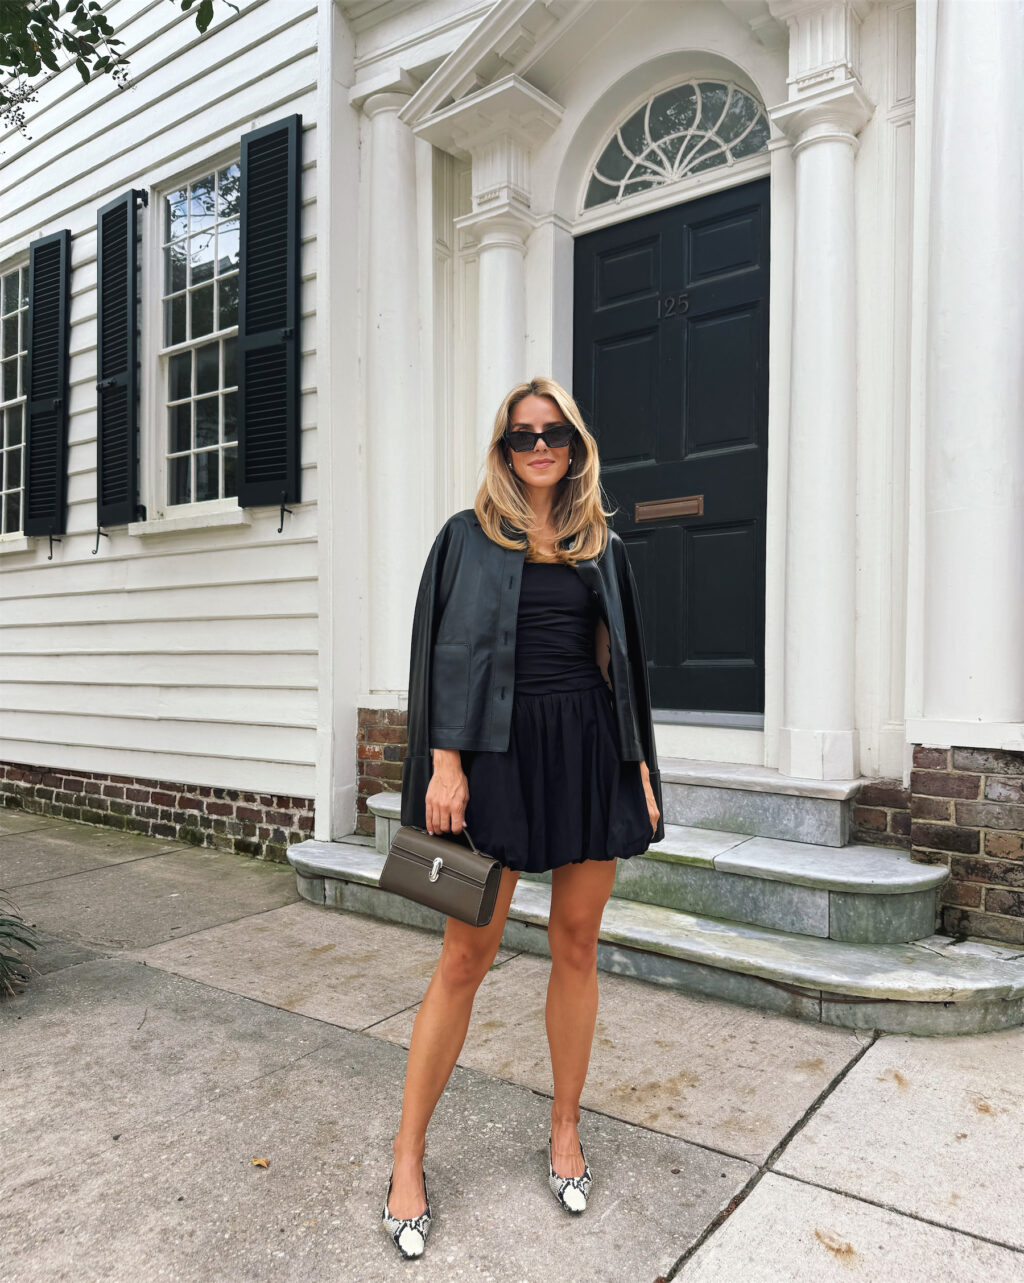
{"type": "Point", "coordinates": [504, 225]}
{"type": "Point", "coordinates": [839, 112]}
{"type": "Point", "coordinates": [387, 100]}
{"type": "Point", "coordinates": [388, 91]}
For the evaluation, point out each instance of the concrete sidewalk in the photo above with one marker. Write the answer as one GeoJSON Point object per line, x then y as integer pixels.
{"type": "Point", "coordinates": [193, 1014]}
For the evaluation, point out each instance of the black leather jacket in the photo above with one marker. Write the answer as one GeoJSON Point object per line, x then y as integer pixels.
{"type": "Point", "coordinates": [462, 660]}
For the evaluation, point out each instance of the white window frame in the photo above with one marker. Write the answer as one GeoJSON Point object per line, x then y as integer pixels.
{"type": "Point", "coordinates": [154, 473]}
{"type": "Point", "coordinates": [17, 538]}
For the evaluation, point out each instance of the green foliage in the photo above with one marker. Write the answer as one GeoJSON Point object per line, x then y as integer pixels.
{"type": "Point", "coordinates": [34, 35]}
{"type": "Point", "coordinates": [14, 931]}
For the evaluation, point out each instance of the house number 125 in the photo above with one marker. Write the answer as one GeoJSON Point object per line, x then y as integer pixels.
{"type": "Point", "coordinates": [670, 304]}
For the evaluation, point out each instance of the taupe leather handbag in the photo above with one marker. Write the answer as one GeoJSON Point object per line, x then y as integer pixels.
{"type": "Point", "coordinates": [442, 874]}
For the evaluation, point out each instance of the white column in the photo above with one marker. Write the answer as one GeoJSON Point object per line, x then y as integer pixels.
{"type": "Point", "coordinates": [501, 315]}
{"type": "Point", "coordinates": [498, 128]}
{"type": "Point", "coordinates": [817, 737]}
{"type": "Point", "coordinates": [398, 453]}
{"type": "Point", "coordinates": [974, 375]}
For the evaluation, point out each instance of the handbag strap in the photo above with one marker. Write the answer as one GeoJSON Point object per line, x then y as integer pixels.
{"type": "Point", "coordinates": [471, 842]}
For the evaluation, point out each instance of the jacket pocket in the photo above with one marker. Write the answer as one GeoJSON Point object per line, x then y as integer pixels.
{"type": "Point", "coordinates": [449, 687]}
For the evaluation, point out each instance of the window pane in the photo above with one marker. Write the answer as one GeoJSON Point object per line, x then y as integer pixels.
{"type": "Point", "coordinates": [175, 215]}
{"type": "Point", "coordinates": [10, 335]}
{"type": "Point", "coordinates": [200, 251]}
{"type": "Point", "coordinates": [227, 290]}
{"type": "Point", "coordinates": [10, 379]}
{"type": "Point", "coordinates": [180, 420]}
{"type": "Point", "coordinates": [230, 379]}
{"type": "Point", "coordinates": [12, 512]}
{"type": "Point", "coordinates": [227, 247]}
{"type": "Point", "coordinates": [202, 210]}
{"type": "Point", "coordinates": [229, 183]}
{"type": "Point", "coordinates": [175, 267]}
{"type": "Point", "coordinates": [207, 431]}
{"type": "Point", "coordinates": [207, 373]}
{"type": "Point", "coordinates": [202, 311]}
{"type": "Point", "coordinates": [179, 384]}
{"type": "Point", "coordinates": [230, 417]}
{"type": "Point", "coordinates": [207, 475]}
{"type": "Point", "coordinates": [13, 468]}
{"type": "Point", "coordinates": [174, 320]}
{"type": "Point", "coordinates": [12, 415]}
{"type": "Point", "coordinates": [230, 483]}
{"type": "Point", "coordinates": [179, 489]}
{"type": "Point", "coordinates": [10, 292]}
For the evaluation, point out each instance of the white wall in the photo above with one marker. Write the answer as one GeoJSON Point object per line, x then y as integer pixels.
{"type": "Point", "coordinates": [191, 655]}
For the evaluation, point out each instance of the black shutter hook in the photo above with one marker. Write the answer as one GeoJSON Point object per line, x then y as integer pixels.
{"type": "Point", "coordinates": [59, 540]}
{"type": "Point", "coordinates": [283, 510]}
{"type": "Point", "coordinates": [98, 533]}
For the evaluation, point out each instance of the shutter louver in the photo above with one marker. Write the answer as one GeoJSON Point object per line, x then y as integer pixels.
{"type": "Point", "coordinates": [46, 384]}
{"type": "Point", "coordinates": [269, 470]}
{"type": "Point", "coordinates": [117, 386]}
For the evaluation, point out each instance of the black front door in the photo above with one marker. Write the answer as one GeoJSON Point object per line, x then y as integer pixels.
{"type": "Point", "coordinates": [670, 370]}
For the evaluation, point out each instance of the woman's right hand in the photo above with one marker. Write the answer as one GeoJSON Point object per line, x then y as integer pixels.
{"type": "Point", "coordinates": [447, 793]}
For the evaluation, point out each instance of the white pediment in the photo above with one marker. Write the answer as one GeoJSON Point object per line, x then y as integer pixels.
{"type": "Point", "coordinates": [506, 43]}
{"type": "Point", "coordinates": [535, 44]}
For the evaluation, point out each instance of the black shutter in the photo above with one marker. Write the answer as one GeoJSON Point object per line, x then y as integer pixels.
{"type": "Point", "coordinates": [268, 314]}
{"type": "Point", "coordinates": [46, 384]}
{"type": "Point", "coordinates": [117, 385]}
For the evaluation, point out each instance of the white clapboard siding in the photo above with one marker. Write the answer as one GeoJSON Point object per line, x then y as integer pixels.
{"type": "Point", "coordinates": [189, 656]}
{"type": "Point", "coordinates": [212, 670]}
{"type": "Point", "coordinates": [156, 603]}
{"type": "Point", "coordinates": [273, 706]}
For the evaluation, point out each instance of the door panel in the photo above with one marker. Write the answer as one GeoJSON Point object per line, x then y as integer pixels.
{"type": "Point", "coordinates": [670, 368]}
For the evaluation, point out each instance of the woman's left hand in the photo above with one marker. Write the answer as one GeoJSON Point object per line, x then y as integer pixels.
{"type": "Point", "coordinates": [652, 805]}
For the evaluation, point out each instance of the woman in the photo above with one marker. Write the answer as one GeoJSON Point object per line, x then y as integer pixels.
{"type": "Point", "coordinates": [558, 798]}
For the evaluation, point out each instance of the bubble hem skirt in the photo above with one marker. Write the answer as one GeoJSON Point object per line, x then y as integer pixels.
{"type": "Point", "coordinates": [559, 794]}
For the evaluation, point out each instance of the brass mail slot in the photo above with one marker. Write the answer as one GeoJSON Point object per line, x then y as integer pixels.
{"type": "Point", "coordinates": [688, 505]}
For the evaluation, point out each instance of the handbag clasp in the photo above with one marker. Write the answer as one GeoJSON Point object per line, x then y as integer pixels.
{"type": "Point", "coordinates": [435, 868]}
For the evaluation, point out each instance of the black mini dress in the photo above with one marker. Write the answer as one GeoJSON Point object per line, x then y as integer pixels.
{"type": "Point", "coordinates": [559, 794]}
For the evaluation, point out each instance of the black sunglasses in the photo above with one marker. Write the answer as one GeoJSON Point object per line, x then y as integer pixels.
{"type": "Point", "coordinates": [558, 435]}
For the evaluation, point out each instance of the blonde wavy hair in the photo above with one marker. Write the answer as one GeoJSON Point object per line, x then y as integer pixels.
{"type": "Point", "coordinates": [579, 517]}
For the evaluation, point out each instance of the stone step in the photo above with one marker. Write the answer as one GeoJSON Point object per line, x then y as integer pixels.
{"type": "Point", "coordinates": [757, 801]}
{"type": "Point", "coordinates": [857, 893]}
{"type": "Point", "coordinates": [930, 986]}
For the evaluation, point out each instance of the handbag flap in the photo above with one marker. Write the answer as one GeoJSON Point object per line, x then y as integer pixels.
{"type": "Point", "coordinates": [424, 848]}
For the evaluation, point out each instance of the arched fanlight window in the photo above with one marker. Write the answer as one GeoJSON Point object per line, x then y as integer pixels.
{"type": "Point", "coordinates": [692, 127]}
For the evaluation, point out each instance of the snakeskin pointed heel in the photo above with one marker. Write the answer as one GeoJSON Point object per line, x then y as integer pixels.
{"type": "Point", "coordinates": [409, 1235]}
{"type": "Point", "coordinates": [571, 1191]}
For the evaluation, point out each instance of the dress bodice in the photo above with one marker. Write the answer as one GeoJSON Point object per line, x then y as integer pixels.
{"type": "Point", "coordinates": [555, 631]}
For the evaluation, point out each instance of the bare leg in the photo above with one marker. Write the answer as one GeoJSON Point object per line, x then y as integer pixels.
{"type": "Point", "coordinates": [579, 893]}
{"type": "Point", "coordinates": [437, 1037]}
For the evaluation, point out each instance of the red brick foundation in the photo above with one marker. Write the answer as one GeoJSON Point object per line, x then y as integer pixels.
{"type": "Point", "coordinates": [383, 739]}
{"type": "Point", "coordinates": [967, 812]}
{"type": "Point", "coordinates": [257, 824]}
{"type": "Point", "coordinates": [881, 814]}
